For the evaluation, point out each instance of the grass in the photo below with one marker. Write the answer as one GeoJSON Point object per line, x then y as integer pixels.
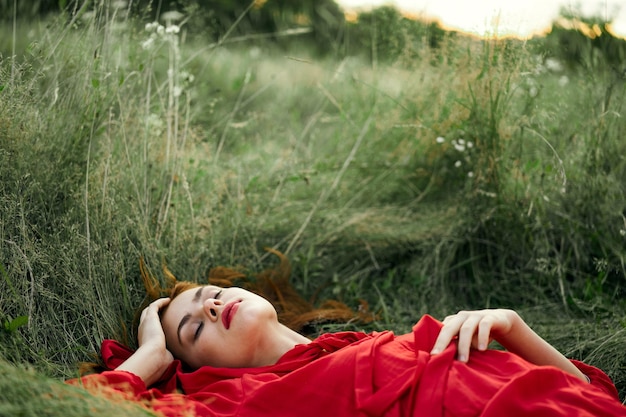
{"type": "Point", "coordinates": [28, 393]}
{"type": "Point", "coordinates": [196, 156]}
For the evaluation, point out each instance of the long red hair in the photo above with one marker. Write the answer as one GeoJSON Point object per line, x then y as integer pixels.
{"type": "Point", "coordinates": [273, 284]}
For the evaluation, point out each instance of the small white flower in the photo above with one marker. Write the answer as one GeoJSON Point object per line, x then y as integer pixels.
{"type": "Point", "coordinates": [148, 43]}
{"type": "Point", "coordinates": [173, 29]}
{"type": "Point", "coordinates": [461, 142]}
{"type": "Point", "coordinates": [554, 65]}
{"type": "Point", "coordinates": [187, 77]}
{"type": "Point", "coordinates": [160, 30]}
{"type": "Point", "coordinates": [151, 26]}
{"type": "Point", "coordinates": [622, 232]}
{"type": "Point", "coordinates": [470, 174]}
{"type": "Point", "coordinates": [172, 16]}
{"type": "Point", "coordinates": [470, 144]}
{"type": "Point", "coordinates": [457, 164]}
{"type": "Point", "coordinates": [459, 147]}
{"type": "Point", "coordinates": [440, 140]}
{"type": "Point", "coordinates": [155, 124]}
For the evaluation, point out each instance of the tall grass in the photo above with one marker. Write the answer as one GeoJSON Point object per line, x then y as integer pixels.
{"type": "Point", "coordinates": [473, 179]}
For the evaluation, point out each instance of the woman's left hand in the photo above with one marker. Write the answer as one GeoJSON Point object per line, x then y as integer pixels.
{"type": "Point", "coordinates": [474, 329]}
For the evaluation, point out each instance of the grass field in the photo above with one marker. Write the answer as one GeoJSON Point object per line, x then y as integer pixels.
{"type": "Point", "coordinates": [473, 177]}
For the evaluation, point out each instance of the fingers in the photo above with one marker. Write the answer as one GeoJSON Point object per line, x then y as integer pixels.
{"type": "Point", "coordinates": [155, 306]}
{"type": "Point", "coordinates": [473, 329]}
{"type": "Point", "coordinates": [446, 334]}
{"type": "Point", "coordinates": [150, 329]}
{"type": "Point", "coordinates": [485, 326]}
{"type": "Point", "coordinates": [469, 325]}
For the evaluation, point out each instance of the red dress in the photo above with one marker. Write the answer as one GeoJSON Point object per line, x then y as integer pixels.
{"type": "Point", "coordinates": [352, 374]}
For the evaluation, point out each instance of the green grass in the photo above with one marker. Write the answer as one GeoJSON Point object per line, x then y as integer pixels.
{"type": "Point", "coordinates": [27, 393]}
{"type": "Point", "coordinates": [202, 157]}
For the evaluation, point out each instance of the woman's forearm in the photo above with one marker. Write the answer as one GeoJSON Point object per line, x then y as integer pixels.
{"type": "Point", "coordinates": [148, 363]}
{"type": "Point", "coordinates": [152, 358]}
{"type": "Point", "coordinates": [523, 341]}
{"type": "Point", "coordinates": [476, 328]}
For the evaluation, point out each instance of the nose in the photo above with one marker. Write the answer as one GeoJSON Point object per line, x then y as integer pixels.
{"type": "Point", "coordinates": [212, 307]}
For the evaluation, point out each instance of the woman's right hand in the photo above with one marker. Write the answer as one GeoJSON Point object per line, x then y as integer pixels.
{"type": "Point", "coordinates": [150, 331]}
{"type": "Point", "coordinates": [152, 358]}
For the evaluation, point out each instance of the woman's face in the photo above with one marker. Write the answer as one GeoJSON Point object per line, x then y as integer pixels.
{"type": "Point", "coordinates": [221, 327]}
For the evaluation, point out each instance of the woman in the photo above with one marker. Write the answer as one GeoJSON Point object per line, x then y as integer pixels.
{"type": "Point", "coordinates": [228, 353]}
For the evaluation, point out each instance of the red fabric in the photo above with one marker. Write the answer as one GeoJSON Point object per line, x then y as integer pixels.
{"type": "Point", "coordinates": [353, 374]}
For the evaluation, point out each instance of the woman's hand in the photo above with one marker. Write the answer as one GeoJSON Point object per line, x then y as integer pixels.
{"type": "Point", "coordinates": [475, 329]}
{"type": "Point", "coordinates": [152, 358]}
{"type": "Point", "coordinates": [150, 331]}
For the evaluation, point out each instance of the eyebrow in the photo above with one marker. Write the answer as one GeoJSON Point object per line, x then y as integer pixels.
{"type": "Point", "coordinates": [187, 316]}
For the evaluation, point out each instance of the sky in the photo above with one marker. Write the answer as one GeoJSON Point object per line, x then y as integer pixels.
{"type": "Point", "coordinates": [502, 17]}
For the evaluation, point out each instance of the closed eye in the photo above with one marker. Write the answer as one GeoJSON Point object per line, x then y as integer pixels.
{"type": "Point", "coordinates": [198, 331]}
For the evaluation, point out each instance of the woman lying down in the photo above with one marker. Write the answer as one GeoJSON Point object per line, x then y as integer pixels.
{"type": "Point", "coordinates": [222, 351]}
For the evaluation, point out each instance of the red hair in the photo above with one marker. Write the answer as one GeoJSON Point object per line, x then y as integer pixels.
{"type": "Point", "coordinates": [273, 284]}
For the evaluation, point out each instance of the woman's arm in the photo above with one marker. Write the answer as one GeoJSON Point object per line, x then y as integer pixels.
{"type": "Point", "coordinates": [152, 358]}
{"type": "Point", "coordinates": [477, 328]}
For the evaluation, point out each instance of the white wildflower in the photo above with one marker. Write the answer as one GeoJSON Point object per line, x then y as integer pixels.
{"type": "Point", "coordinates": [187, 77]}
{"type": "Point", "coordinates": [469, 145]}
{"type": "Point", "coordinates": [172, 16]}
{"type": "Point", "coordinates": [461, 142]}
{"type": "Point", "coordinates": [160, 30]}
{"type": "Point", "coordinates": [457, 164]}
{"type": "Point", "coordinates": [155, 124]}
{"type": "Point", "coordinates": [148, 43]}
{"type": "Point", "coordinates": [173, 29]}
{"type": "Point", "coordinates": [440, 140]}
{"type": "Point", "coordinates": [470, 174]}
{"type": "Point", "coordinates": [150, 27]}
{"type": "Point", "coordinates": [554, 65]}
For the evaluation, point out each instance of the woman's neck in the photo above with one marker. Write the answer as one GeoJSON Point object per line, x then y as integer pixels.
{"type": "Point", "coordinates": [283, 340]}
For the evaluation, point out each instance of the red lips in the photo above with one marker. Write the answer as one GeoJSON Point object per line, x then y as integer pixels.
{"type": "Point", "coordinates": [229, 312]}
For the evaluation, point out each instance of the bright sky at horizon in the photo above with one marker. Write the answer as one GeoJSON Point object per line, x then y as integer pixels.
{"type": "Point", "coordinates": [502, 17]}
